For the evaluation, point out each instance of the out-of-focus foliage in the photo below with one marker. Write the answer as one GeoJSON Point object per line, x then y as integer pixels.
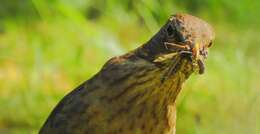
{"type": "Point", "coordinates": [48, 47]}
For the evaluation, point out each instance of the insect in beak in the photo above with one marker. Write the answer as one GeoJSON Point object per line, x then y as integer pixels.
{"type": "Point", "coordinates": [193, 53]}
{"type": "Point", "coordinates": [201, 66]}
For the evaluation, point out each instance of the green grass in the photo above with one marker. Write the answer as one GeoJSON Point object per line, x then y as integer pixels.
{"type": "Point", "coordinates": [62, 44]}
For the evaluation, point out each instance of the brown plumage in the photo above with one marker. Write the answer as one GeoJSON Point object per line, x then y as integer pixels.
{"type": "Point", "coordinates": [136, 92]}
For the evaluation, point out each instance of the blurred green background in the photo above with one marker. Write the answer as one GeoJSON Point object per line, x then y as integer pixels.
{"type": "Point", "coordinates": [48, 47]}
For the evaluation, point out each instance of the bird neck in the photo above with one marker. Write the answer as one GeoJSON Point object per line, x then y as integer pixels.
{"type": "Point", "coordinates": [152, 48]}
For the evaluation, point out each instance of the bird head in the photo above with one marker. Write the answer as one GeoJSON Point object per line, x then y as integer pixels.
{"type": "Point", "coordinates": [183, 34]}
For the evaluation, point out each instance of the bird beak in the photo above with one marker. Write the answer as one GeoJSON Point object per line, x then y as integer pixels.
{"type": "Point", "coordinates": [196, 51]}
{"type": "Point", "coordinates": [198, 58]}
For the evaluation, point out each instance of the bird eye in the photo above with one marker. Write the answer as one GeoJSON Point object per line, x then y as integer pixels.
{"type": "Point", "coordinates": [174, 34]}
{"type": "Point", "coordinates": [210, 44]}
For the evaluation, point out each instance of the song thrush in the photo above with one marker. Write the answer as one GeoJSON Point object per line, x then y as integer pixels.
{"type": "Point", "coordinates": [135, 93]}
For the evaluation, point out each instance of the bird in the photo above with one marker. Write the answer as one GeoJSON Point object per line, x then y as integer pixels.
{"type": "Point", "coordinates": [136, 93]}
